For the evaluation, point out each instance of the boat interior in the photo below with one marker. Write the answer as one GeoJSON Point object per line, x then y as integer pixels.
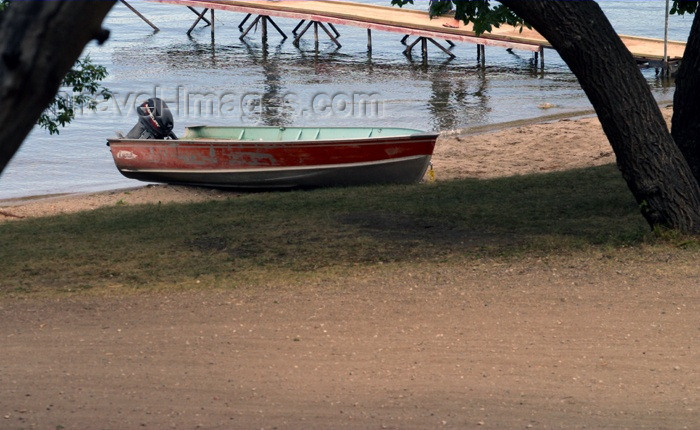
{"type": "Point", "coordinates": [277, 134]}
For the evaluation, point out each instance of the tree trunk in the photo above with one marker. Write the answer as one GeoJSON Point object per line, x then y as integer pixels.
{"type": "Point", "coordinates": [39, 43]}
{"type": "Point", "coordinates": [686, 106]}
{"type": "Point", "coordinates": [651, 163]}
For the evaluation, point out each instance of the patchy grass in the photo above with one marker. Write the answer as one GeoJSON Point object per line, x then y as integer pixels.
{"type": "Point", "coordinates": [265, 237]}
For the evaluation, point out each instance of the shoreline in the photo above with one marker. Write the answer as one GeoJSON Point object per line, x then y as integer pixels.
{"type": "Point", "coordinates": [538, 145]}
{"type": "Point", "coordinates": [466, 131]}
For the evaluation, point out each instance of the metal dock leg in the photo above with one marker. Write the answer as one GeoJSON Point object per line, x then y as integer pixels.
{"type": "Point", "coordinates": [294, 32]}
{"type": "Point", "coordinates": [316, 25]}
{"type": "Point", "coordinates": [442, 48]}
{"type": "Point", "coordinates": [240, 26]}
{"type": "Point", "coordinates": [279, 30]}
{"type": "Point", "coordinates": [250, 27]}
{"type": "Point", "coordinates": [200, 16]}
{"type": "Point", "coordinates": [301, 33]}
{"type": "Point", "coordinates": [424, 47]}
{"type": "Point", "coordinates": [194, 11]}
{"type": "Point", "coordinates": [153, 26]}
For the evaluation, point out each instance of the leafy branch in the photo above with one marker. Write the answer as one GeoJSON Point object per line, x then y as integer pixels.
{"type": "Point", "coordinates": [84, 82]}
{"type": "Point", "coordinates": [480, 13]}
{"type": "Point", "coordinates": [484, 16]}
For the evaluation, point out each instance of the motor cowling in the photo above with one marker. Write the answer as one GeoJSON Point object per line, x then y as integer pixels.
{"type": "Point", "coordinates": [155, 121]}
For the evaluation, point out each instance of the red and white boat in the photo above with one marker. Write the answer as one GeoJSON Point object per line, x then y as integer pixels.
{"type": "Point", "coordinates": [278, 157]}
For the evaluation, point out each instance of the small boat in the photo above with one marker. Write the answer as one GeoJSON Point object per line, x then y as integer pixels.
{"type": "Point", "coordinates": [278, 157]}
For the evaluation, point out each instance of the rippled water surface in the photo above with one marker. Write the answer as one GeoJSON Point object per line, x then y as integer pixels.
{"type": "Point", "coordinates": [226, 81]}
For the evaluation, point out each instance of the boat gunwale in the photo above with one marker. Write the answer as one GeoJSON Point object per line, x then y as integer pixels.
{"type": "Point", "coordinates": [372, 140]}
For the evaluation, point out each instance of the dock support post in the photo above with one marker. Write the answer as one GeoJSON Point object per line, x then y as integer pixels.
{"type": "Point", "coordinates": [316, 35]}
{"type": "Point", "coordinates": [153, 26]}
{"type": "Point", "coordinates": [542, 57]}
{"type": "Point", "coordinates": [274, 24]}
{"type": "Point", "coordinates": [250, 27]}
{"type": "Point", "coordinates": [264, 19]}
{"type": "Point", "coordinates": [247, 17]}
{"type": "Point", "coordinates": [409, 48]}
{"type": "Point", "coordinates": [424, 47]}
{"type": "Point", "coordinates": [263, 29]}
{"type": "Point", "coordinates": [194, 11]}
{"type": "Point", "coordinates": [369, 40]}
{"type": "Point", "coordinates": [481, 55]}
{"type": "Point", "coordinates": [333, 38]}
{"type": "Point", "coordinates": [294, 32]}
{"type": "Point", "coordinates": [442, 48]}
{"type": "Point", "coordinates": [316, 25]}
{"type": "Point", "coordinates": [335, 30]}
{"type": "Point", "coordinates": [301, 33]}
{"type": "Point", "coordinates": [200, 16]}
{"type": "Point", "coordinates": [666, 65]}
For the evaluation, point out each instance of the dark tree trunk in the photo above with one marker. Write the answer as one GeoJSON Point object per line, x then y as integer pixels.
{"type": "Point", "coordinates": [651, 163]}
{"type": "Point", "coordinates": [686, 101]}
{"type": "Point", "coordinates": [39, 43]}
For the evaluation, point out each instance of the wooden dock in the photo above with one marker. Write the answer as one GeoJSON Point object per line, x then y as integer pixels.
{"type": "Point", "coordinates": [414, 23]}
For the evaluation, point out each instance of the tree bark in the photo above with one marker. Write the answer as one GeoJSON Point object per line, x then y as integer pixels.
{"type": "Point", "coordinates": [39, 43]}
{"type": "Point", "coordinates": [651, 163]}
{"type": "Point", "coordinates": [686, 101]}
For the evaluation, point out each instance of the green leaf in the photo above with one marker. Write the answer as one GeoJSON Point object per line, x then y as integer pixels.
{"type": "Point", "coordinates": [85, 91]}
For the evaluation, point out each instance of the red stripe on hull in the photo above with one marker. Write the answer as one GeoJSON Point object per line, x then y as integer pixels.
{"type": "Point", "coordinates": [213, 155]}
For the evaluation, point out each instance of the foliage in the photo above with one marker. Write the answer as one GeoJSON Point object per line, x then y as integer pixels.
{"type": "Point", "coordinates": [681, 7]}
{"type": "Point", "coordinates": [84, 82]}
{"type": "Point", "coordinates": [485, 17]}
{"type": "Point", "coordinates": [4, 4]}
{"type": "Point", "coordinates": [479, 12]}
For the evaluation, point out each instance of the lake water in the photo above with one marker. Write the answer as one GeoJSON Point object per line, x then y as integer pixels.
{"type": "Point", "coordinates": [231, 82]}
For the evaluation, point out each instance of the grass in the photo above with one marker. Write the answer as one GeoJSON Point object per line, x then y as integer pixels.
{"type": "Point", "coordinates": [269, 236]}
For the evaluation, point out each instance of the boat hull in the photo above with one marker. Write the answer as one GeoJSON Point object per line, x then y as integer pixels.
{"type": "Point", "coordinates": [246, 164]}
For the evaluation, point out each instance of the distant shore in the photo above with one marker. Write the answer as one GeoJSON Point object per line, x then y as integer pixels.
{"type": "Point", "coordinates": [553, 144]}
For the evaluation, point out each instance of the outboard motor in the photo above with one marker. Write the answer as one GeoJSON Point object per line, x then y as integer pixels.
{"type": "Point", "coordinates": [155, 121]}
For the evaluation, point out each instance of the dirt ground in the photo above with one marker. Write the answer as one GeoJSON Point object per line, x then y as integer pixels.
{"type": "Point", "coordinates": [570, 341]}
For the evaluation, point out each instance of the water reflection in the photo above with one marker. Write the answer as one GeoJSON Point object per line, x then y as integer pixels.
{"type": "Point", "coordinates": [438, 93]}
{"type": "Point", "coordinates": [272, 107]}
{"type": "Point", "coordinates": [456, 100]}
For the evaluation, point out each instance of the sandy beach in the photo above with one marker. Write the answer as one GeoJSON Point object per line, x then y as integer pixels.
{"type": "Point", "coordinates": [502, 150]}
